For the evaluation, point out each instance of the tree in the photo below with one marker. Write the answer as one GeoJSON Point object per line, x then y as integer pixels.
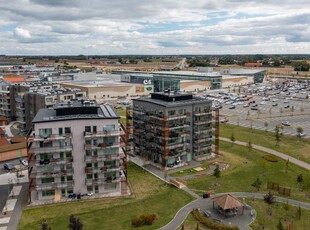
{"type": "Point", "coordinates": [233, 139]}
{"type": "Point", "coordinates": [292, 110]}
{"type": "Point", "coordinates": [277, 134]}
{"type": "Point", "coordinates": [269, 198]}
{"type": "Point", "coordinates": [300, 178]}
{"type": "Point", "coordinates": [281, 111]}
{"type": "Point", "coordinates": [258, 113]}
{"type": "Point", "coordinates": [299, 130]}
{"type": "Point", "coordinates": [75, 223]}
{"type": "Point", "coordinates": [197, 228]}
{"type": "Point", "coordinates": [44, 225]}
{"type": "Point", "coordinates": [280, 225]}
{"type": "Point", "coordinates": [217, 172]}
{"type": "Point", "coordinates": [266, 125]}
{"type": "Point", "coordinates": [248, 114]}
{"type": "Point", "coordinates": [182, 227]}
{"type": "Point", "coordinates": [270, 112]}
{"type": "Point", "coordinates": [250, 145]}
{"type": "Point", "coordinates": [257, 183]}
{"type": "Point", "coordinates": [287, 164]}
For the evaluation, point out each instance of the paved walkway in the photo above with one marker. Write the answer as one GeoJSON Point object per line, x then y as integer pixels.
{"type": "Point", "coordinates": [243, 221]}
{"type": "Point", "coordinates": [273, 152]}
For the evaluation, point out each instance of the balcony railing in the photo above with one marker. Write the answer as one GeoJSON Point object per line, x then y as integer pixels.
{"type": "Point", "coordinates": [202, 113]}
{"type": "Point", "coordinates": [55, 173]}
{"type": "Point", "coordinates": [105, 133]}
{"type": "Point", "coordinates": [101, 181]}
{"type": "Point", "coordinates": [51, 137]}
{"type": "Point", "coordinates": [102, 146]}
{"type": "Point", "coordinates": [54, 185]}
{"type": "Point", "coordinates": [101, 158]}
{"type": "Point", "coordinates": [52, 150]}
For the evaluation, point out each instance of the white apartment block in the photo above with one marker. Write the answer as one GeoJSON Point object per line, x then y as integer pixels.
{"type": "Point", "coordinates": [75, 147]}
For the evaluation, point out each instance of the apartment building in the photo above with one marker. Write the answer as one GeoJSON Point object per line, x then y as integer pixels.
{"type": "Point", "coordinates": [172, 128]}
{"type": "Point", "coordinates": [5, 103]}
{"type": "Point", "coordinates": [74, 147]}
{"type": "Point", "coordinates": [28, 98]}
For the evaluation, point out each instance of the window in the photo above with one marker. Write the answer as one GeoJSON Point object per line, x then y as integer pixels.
{"type": "Point", "coordinates": [68, 154]}
{"type": "Point", "coordinates": [45, 132]}
{"type": "Point", "coordinates": [111, 186]}
{"type": "Point", "coordinates": [69, 178]}
{"type": "Point", "coordinates": [89, 176]}
{"type": "Point", "coordinates": [96, 189]}
{"type": "Point", "coordinates": [60, 131]}
{"type": "Point", "coordinates": [94, 129]}
{"type": "Point", "coordinates": [67, 129]}
{"type": "Point", "coordinates": [87, 129]}
{"type": "Point", "coordinates": [48, 192]}
{"type": "Point", "coordinates": [89, 188]}
{"type": "Point", "coordinates": [47, 180]}
{"type": "Point", "coordinates": [108, 127]}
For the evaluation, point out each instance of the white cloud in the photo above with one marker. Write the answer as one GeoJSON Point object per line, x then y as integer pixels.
{"type": "Point", "coordinates": [22, 33]}
{"type": "Point", "coordinates": [148, 27]}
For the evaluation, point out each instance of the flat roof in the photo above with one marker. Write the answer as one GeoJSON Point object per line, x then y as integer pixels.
{"type": "Point", "coordinates": [104, 83]}
{"type": "Point", "coordinates": [176, 103]}
{"type": "Point", "coordinates": [50, 114]}
{"type": "Point", "coordinates": [189, 73]}
{"type": "Point", "coordinates": [245, 71]}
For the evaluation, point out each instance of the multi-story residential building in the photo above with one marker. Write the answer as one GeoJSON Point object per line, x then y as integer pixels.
{"type": "Point", "coordinates": [5, 103]}
{"type": "Point", "coordinates": [172, 128]}
{"type": "Point", "coordinates": [28, 98]}
{"type": "Point", "coordinates": [74, 147]}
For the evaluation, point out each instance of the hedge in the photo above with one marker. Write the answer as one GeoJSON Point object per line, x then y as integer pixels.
{"type": "Point", "coordinates": [211, 224]}
{"type": "Point", "coordinates": [270, 158]}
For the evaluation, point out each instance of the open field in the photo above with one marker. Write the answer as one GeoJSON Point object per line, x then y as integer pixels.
{"type": "Point", "coordinates": [290, 145]}
{"type": "Point", "coordinates": [277, 211]}
{"type": "Point", "coordinates": [151, 196]}
{"type": "Point", "coordinates": [244, 168]}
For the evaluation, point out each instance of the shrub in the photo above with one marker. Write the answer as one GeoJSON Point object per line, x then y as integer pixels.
{"type": "Point", "coordinates": [269, 198]}
{"type": "Point", "coordinates": [143, 220]}
{"type": "Point", "coordinates": [270, 158]}
{"type": "Point", "coordinates": [211, 224]}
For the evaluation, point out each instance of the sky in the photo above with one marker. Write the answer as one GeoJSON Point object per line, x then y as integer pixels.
{"type": "Point", "coordinates": [158, 27]}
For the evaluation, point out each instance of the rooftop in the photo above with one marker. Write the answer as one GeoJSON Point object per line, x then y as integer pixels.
{"type": "Point", "coordinates": [75, 110]}
{"type": "Point", "coordinates": [189, 73]}
{"type": "Point", "coordinates": [173, 99]}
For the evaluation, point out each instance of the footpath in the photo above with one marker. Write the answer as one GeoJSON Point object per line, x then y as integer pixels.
{"type": "Point", "coordinates": [273, 152]}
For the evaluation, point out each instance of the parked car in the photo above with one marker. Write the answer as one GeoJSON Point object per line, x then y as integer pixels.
{"type": "Point", "coordinates": [286, 101]}
{"type": "Point", "coordinates": [23, 162]}
{"type": "Point", "coordinates": [245, 105]}
{"type": "Point", "coordinates": [286, 106]}
{"type": "Point", "coordinates": [254, 108]}
{"type": "Point", "coordinates": [274, 104]}
{"type": "Point", "coordinates": [9, 166]}
{"type": "Point", "coordinates": [301, 134]}
{"type": "Point", "coordinates": [232, 107]}
{"type": "Point", "coordinates": [225, 120]}
{"type": "Point", "coordinates": [286, 123]}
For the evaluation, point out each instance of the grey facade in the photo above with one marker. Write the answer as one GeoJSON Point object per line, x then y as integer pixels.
{"type": "Point", "coordinates": [75, 148]}
{"type": "Point", "coordinates": [170, 129]}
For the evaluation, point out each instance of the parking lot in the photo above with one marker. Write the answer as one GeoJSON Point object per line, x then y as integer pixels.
{"type": "Point", "coordinates": [265, 106]}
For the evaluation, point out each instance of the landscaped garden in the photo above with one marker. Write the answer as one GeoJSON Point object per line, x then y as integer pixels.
{"type": "Point", "coordinates": [151, 196]}
{"type": "Point", "coordinates": [292, 146]}
{"type": "Point", "coordinates": [245, 167]}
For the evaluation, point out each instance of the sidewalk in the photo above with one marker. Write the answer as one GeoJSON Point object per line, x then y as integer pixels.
{"type": "Point", "coordinates": [273, 152]}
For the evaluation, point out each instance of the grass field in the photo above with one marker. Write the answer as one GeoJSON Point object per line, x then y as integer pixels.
{"type": "Point", "coordinates": [292, 146]}
{"type": "Point", "coordinates": [264, 219]}
{"type": "Point", "coordinates": [152, 196]}
{"type": "Point", "coordinates": [277, 211]}
{"type": "Point", "coordinates": [244, 168]}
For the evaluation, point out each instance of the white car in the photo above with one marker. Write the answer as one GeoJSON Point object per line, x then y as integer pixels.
{"type": "Point", "coordinates": [263, 103]}
{"type": "Point", "coordinates": [23, 162]}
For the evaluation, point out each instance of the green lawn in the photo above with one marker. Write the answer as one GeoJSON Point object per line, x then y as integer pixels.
{"type": "Point", "coordinates": [278, 212]}
{"type": "Point", "coordinates": [293, 146]}
{"type": "Point", "coordinates": [151, 195]}
{"type": "Point", "coordinates": [244, 168]}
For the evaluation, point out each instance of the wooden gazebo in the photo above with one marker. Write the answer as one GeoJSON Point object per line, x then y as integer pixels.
{"type": "Point", "coordinates": [228, 204]}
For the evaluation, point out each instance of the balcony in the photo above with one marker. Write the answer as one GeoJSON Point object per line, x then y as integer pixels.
{"type": "Point", "coordinates": [176, 117]}
{"type": "Point", "coordinates": [202, 122]}
{"type": "Point", "coordinates": [51, 137]}
{"type": "Point", "coordinates": [101, 158]}
{"type": "Point", "coordinates": [203, 139]}
{"type": "Point", "coordinates": [105, 133]}
{"type": "Point", "coordinates": [110, 168]}
{"type": "Point", "coordinates": [102, 146]}
{"type": "Point", "coordinates": [101, 181]}
{"type": "Point", "coordinates": [202, 113]}
{"type": "Point", "coordinates": [54, 185]}
{"type": "Point", "coordinates": [55, 173]}
{"type": "Point", "coordinates": [92, 170]}
{"type": "Point", "coordinates": [51, 150]}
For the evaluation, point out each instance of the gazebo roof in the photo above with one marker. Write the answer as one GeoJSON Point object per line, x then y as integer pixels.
{"type": "Point", "coordinates": [227, 201]}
